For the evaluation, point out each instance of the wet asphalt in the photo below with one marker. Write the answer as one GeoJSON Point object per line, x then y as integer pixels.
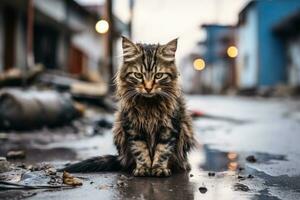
{"type": "Point", "coordinates": [249, 149]}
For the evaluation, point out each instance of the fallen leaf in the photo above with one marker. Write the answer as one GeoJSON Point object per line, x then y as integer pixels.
{"type": "Point", "coordinates": [68, 179]}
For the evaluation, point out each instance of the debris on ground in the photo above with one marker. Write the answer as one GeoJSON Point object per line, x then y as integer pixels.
{"type": "Point", "coordinates": [32, 109]}
{"type": "Point", "coordinates": [241, 177]}
{"type": "Point", "coordinates": [68, 179]}
{"type": "Point", "coordinates": [74, 85]}
{"type": "Point", "coordinates": [102, 102]}
{"type": "Point", "coordinates": [104, 123]}
{"type": "Point", "coordinates": [121, 183]}
{"type": "Point", "coordinates": [3, 136]}
{"type": "Point", "coordinates": [211, 173]}
{"type": "Point", "coordinates": [4, 185]}
{"type": "Point", "coordinates": [51, 171]}
{"type": "Point", "coordinates": [55, 180]}
{"type": "Point", "coordinates": [241, 187]}
{"type": "Point", "coordinates": [39, 167]}
{"type": "Point", "coordinates": [203, 189]}
{"type": "Point", "coordinates": [196, 114]}
{"type": "Point", "coordinates": [16, 76]}
{"type": "Point", "coordinates": [251, 159]}
{"type": "Point", "coordinates": [250, 176]}
{"type": "Point", "coordinates": [22, 179]}
{"type": "Point", "coordinates": [19, 154]}
{"type": "Point", "coordinates": [91, 90]}
{"type": "Point", "coordinates": [4, 165]}
{"type": "Point", "coordinates": [51, 98]}
{"type": "Point", "coordinates": [123, 177]}
{"type": "Point", "coordinates": [100, 125]}
{"type": "Point", "coordinates": [61, 141]}
{"type": "Point", "coordinates": [104, 187]}
{"type": "Point", "coordinates": [241, 168]}
{"type": "Point", "coordinates": [199, 114]}
{"type": "Point", "coordinates": [88, 89]}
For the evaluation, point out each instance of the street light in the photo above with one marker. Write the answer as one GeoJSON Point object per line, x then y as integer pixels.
{"type": "Point", "coordinates": [199, 64]}
{"type": "Point", "coordinates": [232, 51]}
{"type": "Point", "coordinates": [102, 26]}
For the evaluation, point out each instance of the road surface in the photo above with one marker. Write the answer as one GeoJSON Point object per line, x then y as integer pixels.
{"type": "Point", "coordinates": [249, 150]}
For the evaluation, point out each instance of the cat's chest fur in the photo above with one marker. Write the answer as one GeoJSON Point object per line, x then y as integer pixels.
{"type": "Point", "coordinates": [151, 125]}
{"type": "Point", "coordinates": [149, 121]}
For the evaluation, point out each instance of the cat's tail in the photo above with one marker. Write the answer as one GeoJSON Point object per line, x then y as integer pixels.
{"type": "Point", "coordinates": [96, 164]}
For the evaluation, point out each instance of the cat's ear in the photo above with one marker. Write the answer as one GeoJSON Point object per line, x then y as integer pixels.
{"type": "Point", "coordinates": [168, 50]}
{"type": "Point", "coordinates": [130, 50]}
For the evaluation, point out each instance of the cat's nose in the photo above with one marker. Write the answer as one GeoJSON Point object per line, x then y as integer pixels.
{"type": "Point", "coordinates": [148, 90]}
{"type": "Point", "coordinates": [148, 86]}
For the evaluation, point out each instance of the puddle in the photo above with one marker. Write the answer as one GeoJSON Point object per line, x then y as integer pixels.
{"type": "Point", "coordinates": [283, 181]}
{"type": "Point", "coordinates": [277, 187]}
{"type": "Point", "coordinates": [216, 160]}
{"type": "Point", "coordinates": [267, 158]}
{"type": "Point", "coordinates": [261, 184]}
{"type": "Point", "coordinates": [265, 194]}
{"type": "Point", "coordinates": [224, 164]}
{"type": "Point", "coordinates": [175, 187]}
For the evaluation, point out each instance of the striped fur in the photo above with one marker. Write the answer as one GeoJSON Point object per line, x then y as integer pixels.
{"type": "Point", "coordinates": [152, 131]}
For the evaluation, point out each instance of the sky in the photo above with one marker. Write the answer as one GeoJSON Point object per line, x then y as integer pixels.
{"type": "Point", "coordinates": [159, 21]}
{"type": "Point", "coordinates": [162, 20]}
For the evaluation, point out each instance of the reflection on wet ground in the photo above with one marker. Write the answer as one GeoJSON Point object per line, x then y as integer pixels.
{"type": "Point", "coordinates": [159, 188]}
{"type": "Point", "coordinates": [217, 160]}
{"type": "Point", "coordinates": [211, 169]}
{"type": "Point", "coordinates": [221, 168]}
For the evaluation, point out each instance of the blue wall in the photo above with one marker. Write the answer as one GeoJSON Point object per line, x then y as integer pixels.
{"type": "Point", "coordinates": [212, 43]}
{"type": "Point", "coordinates": [272, 55]}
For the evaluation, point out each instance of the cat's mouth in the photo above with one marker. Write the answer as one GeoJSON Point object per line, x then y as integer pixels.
{"type": "Point", "coordinates": [148, 95]}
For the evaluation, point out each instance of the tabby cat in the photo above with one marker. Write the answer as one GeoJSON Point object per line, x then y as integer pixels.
{"type": "Point", "coordinates": [152, 131]}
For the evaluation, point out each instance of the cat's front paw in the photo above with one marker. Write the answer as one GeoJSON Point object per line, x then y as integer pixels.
{"type": "Point", "coordinates": [161, 172]}
{"type": "Point", "coordinates": [142, 171]}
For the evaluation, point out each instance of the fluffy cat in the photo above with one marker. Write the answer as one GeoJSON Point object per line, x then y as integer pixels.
{"type": "Point", "coordinates": [152, 131]}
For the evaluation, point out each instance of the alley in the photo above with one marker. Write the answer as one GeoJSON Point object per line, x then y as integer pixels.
{"type": "Point", "coordinates": [248, 150]}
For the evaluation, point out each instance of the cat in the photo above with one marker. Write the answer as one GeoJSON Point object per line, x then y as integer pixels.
{"type": "Point", "coordinates": [152, 129]}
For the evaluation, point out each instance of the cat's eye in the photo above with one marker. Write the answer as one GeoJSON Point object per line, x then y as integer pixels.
{"type": "Point", "coordinates": [138, 75]}
{"type": "Point", "coordinates": [159, 75]}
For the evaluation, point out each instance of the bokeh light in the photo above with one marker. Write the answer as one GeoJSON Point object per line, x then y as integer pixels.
{"type": "Point", "coordinates": [199, 64]}
{"type": "Point", "coordinates": [232, 166]}
{"type": "Point", "coordinates": [102, 26]}
{"type": "Point", "coordinates": [232, 156]}
{"type": "Point", "coordinates": [232, 51]}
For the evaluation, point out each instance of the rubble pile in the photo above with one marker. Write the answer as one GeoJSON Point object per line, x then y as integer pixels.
{"type": "Point", "coordinates": [31, 109]}
{"type": "Point", "coordinates": [42, 98]}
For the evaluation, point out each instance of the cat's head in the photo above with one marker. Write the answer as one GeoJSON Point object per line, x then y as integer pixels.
{"type": "Point", "coordinates": [148, 70]}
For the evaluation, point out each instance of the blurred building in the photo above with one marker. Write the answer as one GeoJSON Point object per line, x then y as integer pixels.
{"type": "Point", "coordinates": [120, 28]}
{"type": "Point", "coordinates": [288, 29]}
{"type": "Point", "coordinates": [64, 35]}
{"type": "Point", "coordinates": [262, 57]}
{"type": "Point", "coordinates": [218, 74]}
